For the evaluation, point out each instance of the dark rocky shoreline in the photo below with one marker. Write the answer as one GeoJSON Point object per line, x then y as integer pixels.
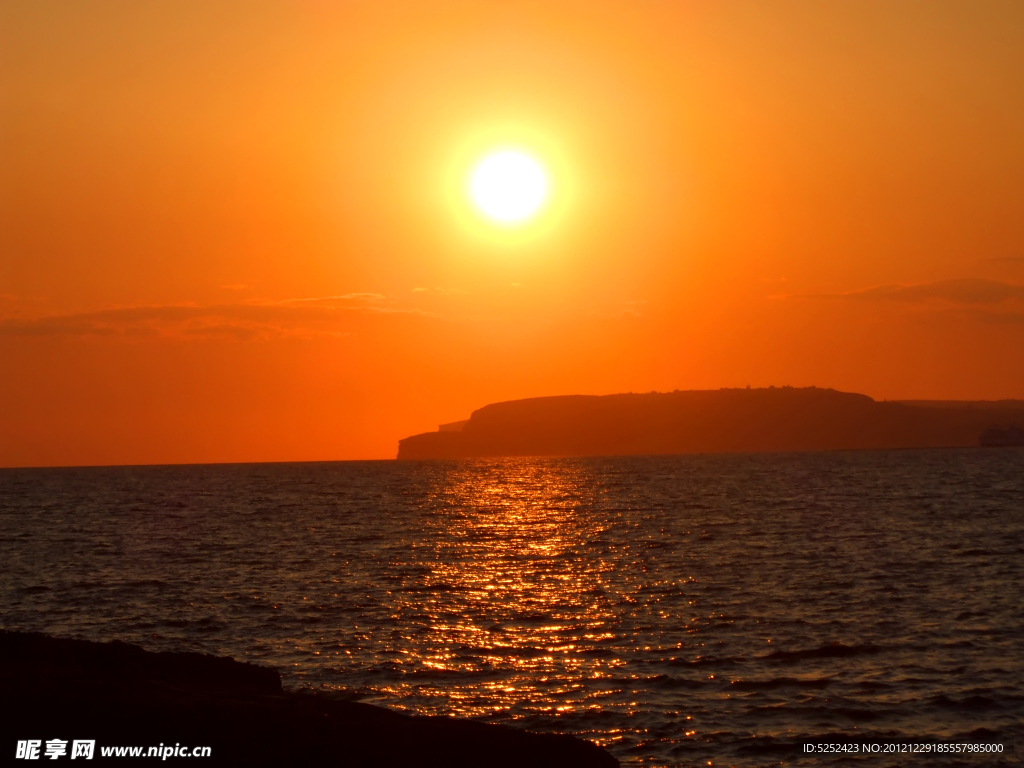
{"type": "Point", "coordinates": [122, 695]}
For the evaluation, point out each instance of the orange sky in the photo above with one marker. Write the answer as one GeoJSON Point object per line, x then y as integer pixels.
{"type": "Point", "coordinates": [227, 230]}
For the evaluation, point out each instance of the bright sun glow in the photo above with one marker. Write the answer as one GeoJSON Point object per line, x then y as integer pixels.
{"type": "Point", "coordinates": [508, 186]}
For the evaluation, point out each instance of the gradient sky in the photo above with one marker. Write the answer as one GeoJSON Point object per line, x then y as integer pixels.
{"type": "Point", "coordinates": [228, 231]}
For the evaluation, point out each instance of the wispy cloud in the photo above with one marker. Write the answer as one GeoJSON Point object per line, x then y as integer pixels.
{"type": "Point", "coordinates": [242, 322]}
{"type": "Point", "coordinates": [333, 300]}
{"type": "Point", "coordinates": [442, 291]}
{"type": "Point", "coordinates": [968, 299]}
{"type": "Point", "coordinates": [1002, 318]}
{"type": "Point", "coordinates": [963, 292]}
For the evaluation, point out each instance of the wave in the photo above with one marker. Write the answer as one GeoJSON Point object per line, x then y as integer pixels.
{"type": "Point", "coordinates": [781, 682]}
{"type": "Point", "coordinates": [708, 660]}
{"type": "Point", "coordinates": [831, 651]}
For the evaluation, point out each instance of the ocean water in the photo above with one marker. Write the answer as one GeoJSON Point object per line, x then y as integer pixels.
{"type": "Point", "coordinates": [680, 610]}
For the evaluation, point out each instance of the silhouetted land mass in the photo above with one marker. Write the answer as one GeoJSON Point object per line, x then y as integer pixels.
{"type": "Point", "coordinates": [121, 695]}
{"type": "Point", "coordinates": [711, 421]}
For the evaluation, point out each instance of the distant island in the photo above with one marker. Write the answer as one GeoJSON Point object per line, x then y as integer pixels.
{"type": "Point", "coordinates": [717, 421]}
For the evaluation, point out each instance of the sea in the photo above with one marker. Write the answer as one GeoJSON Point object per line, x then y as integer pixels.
{"type": "Point", "coordinates": [677, 610]}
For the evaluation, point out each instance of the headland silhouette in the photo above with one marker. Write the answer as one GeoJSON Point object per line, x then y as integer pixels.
{"type": "Point", "coordinates": [772, 419]}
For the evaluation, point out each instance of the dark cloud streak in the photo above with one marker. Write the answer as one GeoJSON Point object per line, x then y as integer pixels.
{"type": "Point", "coordinates": [242, 322]}
{"type": "Point", "coordinates": [964, 292]}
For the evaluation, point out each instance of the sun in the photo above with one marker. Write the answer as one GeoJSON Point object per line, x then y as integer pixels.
{"type": "Point", "coordinates": [508, 186]}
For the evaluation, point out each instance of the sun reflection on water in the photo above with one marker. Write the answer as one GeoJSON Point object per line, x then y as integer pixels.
{"type": "Point", "coordinates": [515, 600]}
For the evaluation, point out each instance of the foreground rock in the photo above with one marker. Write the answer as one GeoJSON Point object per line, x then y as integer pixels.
{"type": "Point", "coordinates": [120, 695]}
{"type": "Point", "coordinates": [712, 421]}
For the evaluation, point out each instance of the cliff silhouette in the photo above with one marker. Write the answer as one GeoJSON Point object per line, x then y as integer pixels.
{"type": "Point", "coordinates": [710, 421]}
